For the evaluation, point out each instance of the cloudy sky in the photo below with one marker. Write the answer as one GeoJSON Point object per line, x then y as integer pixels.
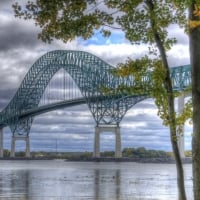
{"type": "Point", "coordinates": [72, 129]}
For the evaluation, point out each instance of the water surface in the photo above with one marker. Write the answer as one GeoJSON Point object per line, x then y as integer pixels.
{"type": "Point", "coordinates": [60, 180]}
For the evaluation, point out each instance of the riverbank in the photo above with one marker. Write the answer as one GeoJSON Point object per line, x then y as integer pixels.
{"type": "Point", "coordinates": [167, 160]}
{"type": "Point", "coordinates": [139, 160]}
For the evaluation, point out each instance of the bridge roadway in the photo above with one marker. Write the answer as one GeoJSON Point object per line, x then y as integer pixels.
{"type": "Point", "coordinates": [53, 106]}
{"type": "Point", "coordinates": [49, 107]}
{"type": "Point", "coordinates": [62, 104]}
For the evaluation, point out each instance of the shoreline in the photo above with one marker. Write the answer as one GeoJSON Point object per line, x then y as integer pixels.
{"type": "Point", "coordinates": [137, 160]}
{"type": "Point", "coordinates": [187, 160]}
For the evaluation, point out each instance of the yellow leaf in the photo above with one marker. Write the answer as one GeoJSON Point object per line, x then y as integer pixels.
{"type": "Point", "coordinates": [194, 24]}
{"type": "Point", "coordinates": [196, 11]}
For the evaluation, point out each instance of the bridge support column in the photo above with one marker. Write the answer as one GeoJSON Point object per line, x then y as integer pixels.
{"type": "Point", "coordinates": [14, 139]}
{"type": "Point", "coordinates": [1, 142]}
{"type": "Point", "coordinates": [116, 131]}
{"type": "Point", "coordinates": [181, 141]}
{"type": "Point", "coordinates": [12, 152]}
{"type": "Point", "coordinates": [118, 151]}
{"type": "Point", "coordinates": [96, 153]}
{"type": "Point", "coordinates": [28, 154]}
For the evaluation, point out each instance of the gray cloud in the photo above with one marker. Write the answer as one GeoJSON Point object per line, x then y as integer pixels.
{"type": "Point", "coordinates": [18, 36]}
{"type": "Point", "coordinates": [15, 33]}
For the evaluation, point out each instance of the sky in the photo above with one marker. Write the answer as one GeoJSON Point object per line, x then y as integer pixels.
{"type": "Point", "coordinates": [72, 129]}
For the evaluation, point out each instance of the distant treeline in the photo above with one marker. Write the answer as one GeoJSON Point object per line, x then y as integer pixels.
{"type": "Point", "coordinates": [140, 152]}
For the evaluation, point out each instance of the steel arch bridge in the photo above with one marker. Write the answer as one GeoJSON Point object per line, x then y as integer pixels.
{"type": "Point", "coordinates": [90, 73]}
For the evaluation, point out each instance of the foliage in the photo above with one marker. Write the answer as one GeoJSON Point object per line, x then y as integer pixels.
{"type": "Point", "coordinates": [188, 153]}
{"type": "Point", "coordinates": [108, 154]}
{"type": "Point", "coordinates": [20, 154]}
{"type": "Point", "coordinates": [6, 153]}
{"type": "Point", "coordinates": [63, 19]}
{"type": "Point", "coordinates": [66, 20]}
{"type": "Point", "coordinates": [141, 152]}
{"type": "Point", "coordinates": [148, 75]}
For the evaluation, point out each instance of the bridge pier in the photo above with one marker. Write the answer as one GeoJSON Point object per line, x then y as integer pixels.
{"type": "Point", "coordinates": [116, 131]}
{"type": "Point", "coordinates": [14, 139]}
{"type": "Point", "coordinates": [1, 142]}
{"type": "Point", "coordinates": [181, 140]}
{"type": "Point", "coordinates": [96, 153]}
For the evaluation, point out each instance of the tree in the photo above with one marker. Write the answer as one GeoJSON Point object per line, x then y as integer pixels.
{"type": "Point", "coordinates": [193, 29]}
{"type": "Point", "coordinates": [194, 35]}
{"type": "Point", "coordinates": [143, 21]}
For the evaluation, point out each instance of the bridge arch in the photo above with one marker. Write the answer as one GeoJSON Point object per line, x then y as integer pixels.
{"type": "Point", "coordinates": [88, 71]}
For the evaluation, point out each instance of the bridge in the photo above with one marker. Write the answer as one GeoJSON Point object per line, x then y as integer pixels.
{"type": "Point", "coordinates": [90, 74]}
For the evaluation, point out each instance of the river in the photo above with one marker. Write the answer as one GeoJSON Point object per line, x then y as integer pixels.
{"type": "Point", "coordinates": [60, 180]}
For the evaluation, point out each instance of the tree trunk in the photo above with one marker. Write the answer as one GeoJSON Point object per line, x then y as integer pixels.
{"type": "Point", "coordinates": [171, 109]}
{"type": "Point", "coordinates": [195, 64]}
{"type": "Point", "coordinates": [179, 167]}
{"type": "Point", "coordinates": [173, 137]}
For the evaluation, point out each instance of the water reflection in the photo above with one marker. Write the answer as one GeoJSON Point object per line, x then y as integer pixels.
{"type": "Point", "coordinates": [14, 183]}
{"type": "Point", "coordinates": [107, 184]}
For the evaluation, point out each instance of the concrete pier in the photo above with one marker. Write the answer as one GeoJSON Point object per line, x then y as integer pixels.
{"type": "Point", "coordinates": [14, 139]}
{"type": "Point", "coordinates": [113, 129]}
{"type": "Point", "coordinates": [118, 151]}
{"type": "Point", "coordinates": [1, 142]}
{"type": "Point", "coordinates": [96, 153]}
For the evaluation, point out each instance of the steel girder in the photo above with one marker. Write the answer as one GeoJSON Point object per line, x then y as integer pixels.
{"type": "Point", "coordinates": [181, 78]}
{"type": "Point", "coordinates": [90, 73]}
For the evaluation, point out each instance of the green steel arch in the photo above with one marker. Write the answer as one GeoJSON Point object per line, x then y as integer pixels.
{"type": "Point", "coordinates": [88, 71]}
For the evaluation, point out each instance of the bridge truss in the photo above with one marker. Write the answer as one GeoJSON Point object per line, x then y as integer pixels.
{"type": "Point", "coordinates": [91, 75]}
